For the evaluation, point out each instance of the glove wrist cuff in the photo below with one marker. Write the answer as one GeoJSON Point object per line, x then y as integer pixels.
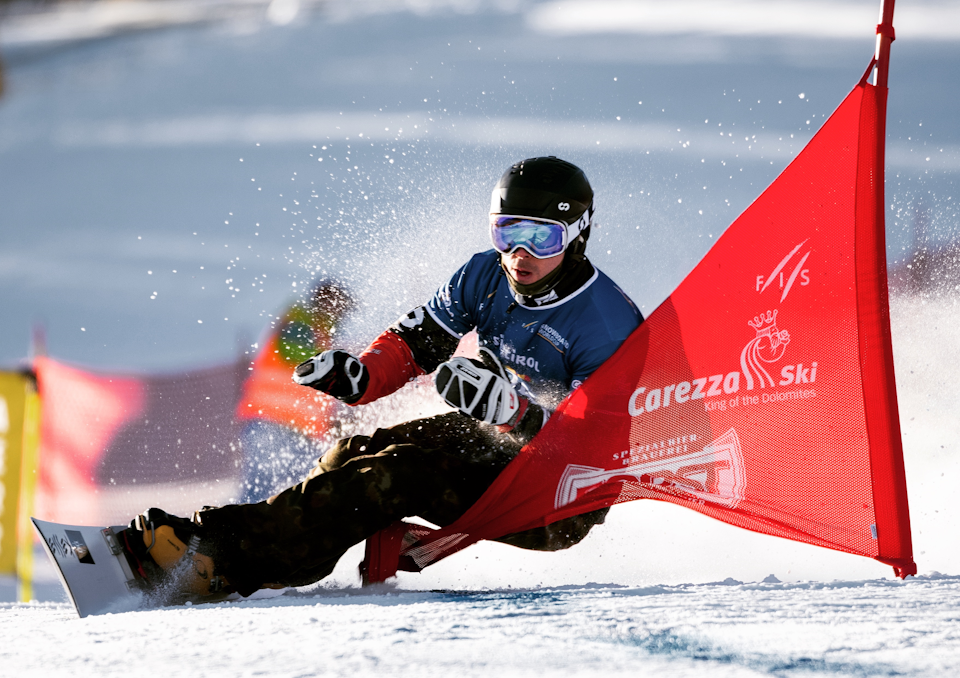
{"type": "Point", "coordinates": [516, 418]}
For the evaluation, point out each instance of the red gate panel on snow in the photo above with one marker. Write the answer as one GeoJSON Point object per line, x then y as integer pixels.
{"type": "Point", "coordinates": [760, 393]}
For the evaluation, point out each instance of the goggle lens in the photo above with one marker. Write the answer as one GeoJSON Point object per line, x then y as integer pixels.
{"type": "Point", "coordinates": [541, 238]}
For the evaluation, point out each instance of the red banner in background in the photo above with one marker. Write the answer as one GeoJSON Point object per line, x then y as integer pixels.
{"type": "Point", "coordinates": [761, 393]}
{"type": "Point", "coordinates": [112, 445]}
{"type": "Point", "coordinates": [82, 413]}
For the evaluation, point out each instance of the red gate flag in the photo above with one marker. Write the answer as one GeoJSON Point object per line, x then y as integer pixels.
{"type": "Point", "coordinates": [760, 393]}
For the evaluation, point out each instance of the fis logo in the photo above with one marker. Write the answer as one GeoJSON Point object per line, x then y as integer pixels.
{"type": "Point", "coordinates": [714, 474]}
{"type": "Point", "coordinates": [786, 282]}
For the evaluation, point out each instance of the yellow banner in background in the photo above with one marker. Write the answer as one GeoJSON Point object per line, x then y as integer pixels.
{"type": "Point", "coordinates": [29, 466]}
{"type": "Point", "coordinates": [13, 392]}
{"type": "Point", "coordinates": [19, 438]}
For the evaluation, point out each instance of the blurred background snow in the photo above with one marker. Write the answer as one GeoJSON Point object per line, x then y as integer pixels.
{"type": "Point", "coordinates": [174, 172]}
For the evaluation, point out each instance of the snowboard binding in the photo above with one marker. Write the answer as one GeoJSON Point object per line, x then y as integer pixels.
{"type": "Point", "coordinates": [171, 561]}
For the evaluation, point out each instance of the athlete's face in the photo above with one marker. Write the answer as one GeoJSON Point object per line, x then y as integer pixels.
{"type": "Point", "coordinates": [526, 269]}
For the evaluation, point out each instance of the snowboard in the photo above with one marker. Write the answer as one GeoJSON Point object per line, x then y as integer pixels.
{"type": "Point", "coordinates": [91, 566]}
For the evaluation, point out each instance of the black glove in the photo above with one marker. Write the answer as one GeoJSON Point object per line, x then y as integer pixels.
{"type": "Point", "coordinates": [337, 373]}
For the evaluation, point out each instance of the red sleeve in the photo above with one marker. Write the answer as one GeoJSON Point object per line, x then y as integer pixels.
{"type": "Point", "coordinates": [390, 364]}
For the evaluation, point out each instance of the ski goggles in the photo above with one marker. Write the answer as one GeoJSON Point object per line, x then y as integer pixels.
{"type": "Point", "coordinates": [542, 238]}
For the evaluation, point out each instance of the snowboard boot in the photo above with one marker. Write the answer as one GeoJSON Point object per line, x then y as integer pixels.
{"type": "Point", "coordinates": [172, 561]}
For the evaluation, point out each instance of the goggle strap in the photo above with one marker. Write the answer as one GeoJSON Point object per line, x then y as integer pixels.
{"type": "Point", "coordinates": [579, 226]}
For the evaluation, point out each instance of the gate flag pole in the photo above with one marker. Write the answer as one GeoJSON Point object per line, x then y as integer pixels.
{"type": "Point", "coordinates": [885, 36]}
{"type": "Point", "coordinates": [879, 384]}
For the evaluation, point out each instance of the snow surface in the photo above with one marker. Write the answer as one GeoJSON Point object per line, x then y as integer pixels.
{"type": "Point", "coordinates": [867, 628]}
{"type": "Point", "coordinates": [127, 216]}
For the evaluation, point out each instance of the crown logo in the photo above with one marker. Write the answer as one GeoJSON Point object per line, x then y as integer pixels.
{"type": "Point", "coordinates": [762, 323]}
{"type": "Point", "coordinates": [767, 347]}
{"type": "Point", "coordinates": [766, 326]}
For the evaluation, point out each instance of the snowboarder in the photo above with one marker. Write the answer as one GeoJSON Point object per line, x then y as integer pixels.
{"type": "Point", "coordinates": [546, 318]}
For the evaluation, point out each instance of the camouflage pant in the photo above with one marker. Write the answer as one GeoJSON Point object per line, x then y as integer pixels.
{"type": "Point", "coordinates": [435, 468]}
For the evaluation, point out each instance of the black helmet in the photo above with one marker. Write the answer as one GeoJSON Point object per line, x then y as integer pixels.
{"type": "Point", "coordinates": [548, 188]}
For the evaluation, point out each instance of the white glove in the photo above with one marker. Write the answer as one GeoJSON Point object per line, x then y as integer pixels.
{"type": "Point", "coordinates": [479, 389]}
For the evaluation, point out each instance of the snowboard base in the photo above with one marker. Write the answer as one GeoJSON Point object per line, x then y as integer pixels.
{"type": "Point", "coordinates": [91, 566]}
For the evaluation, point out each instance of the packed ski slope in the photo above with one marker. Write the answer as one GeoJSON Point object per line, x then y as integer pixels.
{"type": "Point", "coordinates": [127, 216]}
{"type": "Point", "coordinates": [872, 628]}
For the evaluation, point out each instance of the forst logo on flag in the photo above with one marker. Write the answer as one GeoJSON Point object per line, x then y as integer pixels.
{"type": "Point", "coordinates": [714, 473]}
